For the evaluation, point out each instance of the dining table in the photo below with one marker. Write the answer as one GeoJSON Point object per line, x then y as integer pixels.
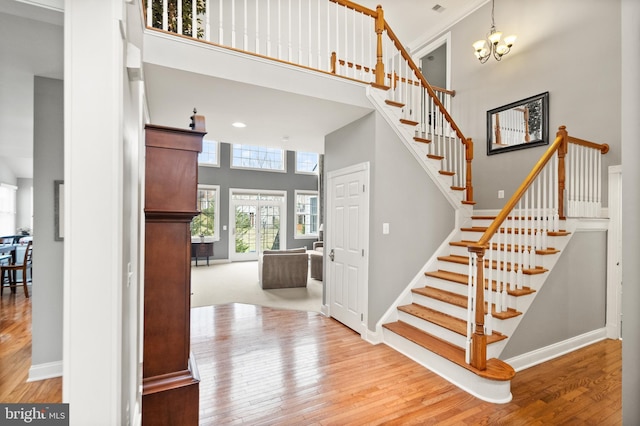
{"type": "Point", "coordinates": [8, 253]}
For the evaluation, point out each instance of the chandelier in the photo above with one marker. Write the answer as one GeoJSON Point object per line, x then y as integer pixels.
{"type": "Point", "coordinates": [492, 45]}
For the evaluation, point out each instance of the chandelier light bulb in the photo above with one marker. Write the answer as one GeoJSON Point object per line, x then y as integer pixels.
{"type": "Point", "coordinates": [509, 40]}
{"type": "Point", "coordinates": [494, 37]}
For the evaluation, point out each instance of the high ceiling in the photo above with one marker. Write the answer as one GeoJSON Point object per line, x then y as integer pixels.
{"type": "Point", "coordinates": [413, 21]}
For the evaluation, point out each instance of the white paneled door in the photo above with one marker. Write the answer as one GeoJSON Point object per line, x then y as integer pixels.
{"type": "Point", "coordinates": [347, 245]}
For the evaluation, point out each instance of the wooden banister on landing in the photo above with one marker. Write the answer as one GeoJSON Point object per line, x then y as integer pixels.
{"type": "Point", "coordinates": [540, 188]}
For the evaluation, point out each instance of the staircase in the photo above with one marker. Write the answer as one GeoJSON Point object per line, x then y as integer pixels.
{"type": "Point", "coordinates": [431, 321]}
{"type": "Point", "coordinates": [457, 316]}
{"type": "Point", "coordinates": [430, 325]}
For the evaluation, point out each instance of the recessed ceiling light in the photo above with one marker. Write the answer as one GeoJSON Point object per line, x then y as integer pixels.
{"type": "Point", "coordinates": [438, 8]}
{"type": "Point", "coordinates": [239, 124]}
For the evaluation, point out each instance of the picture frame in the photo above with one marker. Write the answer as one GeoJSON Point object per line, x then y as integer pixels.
{"type": "Point", "coordinates": [518, 125]}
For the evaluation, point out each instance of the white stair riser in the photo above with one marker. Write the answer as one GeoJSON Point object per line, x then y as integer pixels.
{"type": "Point", "coordinates": [458, 268]}
{"type": "Point", "coordinates": [447, 285]}
{"type": "Point", "coordinates": [440, 306]}
{"type": "Point", "coordinates": [433, 329]}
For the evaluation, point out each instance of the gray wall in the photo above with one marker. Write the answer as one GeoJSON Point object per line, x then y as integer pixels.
{"type": "Point", "coordinates": [571, 302]}
{"type": "Point", "coordinates": [227, 178]}
{"type": "Point", "coordinates": [47, 253]}
{"type": "Point", "coordinates": [402, 195]}
{"type": "Point", "coordinates": [630, 206]}
{"type": "Point", "coordinates": [23, 203]}
{"type": "Point", "coordinates": [557, 51]}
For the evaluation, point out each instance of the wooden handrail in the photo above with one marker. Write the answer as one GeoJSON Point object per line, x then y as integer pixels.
{"type": "Point", "coordinates": [504, 213]}
{"type": "Point", "coordinates": [424, 82]}
{"type": "Point", "coordinates": [603, 148]}
{"type": "Point", "coordinates": [354, 6]}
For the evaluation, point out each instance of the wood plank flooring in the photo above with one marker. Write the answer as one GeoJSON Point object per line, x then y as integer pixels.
{"type": "Point", "coordinates": [15, 354]}
{"type": "Point", "coordinates": [261, 366]}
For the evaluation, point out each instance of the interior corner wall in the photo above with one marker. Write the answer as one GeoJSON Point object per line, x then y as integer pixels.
{"type": "Point", "coordinates": [554, 52]}
{"type": "Point", "coordinates": [47, 288]}
{"type": "Point", "coordinates": [572, 300]}
{"type": "Point", "coordinates": [402, 195]}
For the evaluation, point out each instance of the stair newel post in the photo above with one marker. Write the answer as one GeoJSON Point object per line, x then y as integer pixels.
{"type": "Point", "coordinates": [469, 158]}
{"type": "Point", "coordinates": [562, 152]}
{"type": "Point", "coordinates": [379, 31]}
{"type": "Point", "coordinates": [479, 339]}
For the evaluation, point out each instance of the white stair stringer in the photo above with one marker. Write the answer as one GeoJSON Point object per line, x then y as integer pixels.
{"type": "Point", "coordinates": [498, 392]}
{"type": "Point", "coordinates": [406, 133]}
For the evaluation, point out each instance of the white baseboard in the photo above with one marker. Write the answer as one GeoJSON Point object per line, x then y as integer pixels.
{"type": "Point", "coordinates": [48, 370]}
{"type": "Point", "coordinates": [530, 359]}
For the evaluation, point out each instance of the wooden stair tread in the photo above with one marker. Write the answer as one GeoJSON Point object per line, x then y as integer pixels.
{"type": "Point", "coordinates": [409, 122]}
{"type": "Point", "coordinates": [464, 279]}
{"type": "Point", "coordinates": [394, 103]}
{"type": "Point", "coordinates": [496, 246]}
{"type": "Point", "coordinates": [464, 260]}
{"type": "Point", "coordinates": [435, 157]}
{"type": "Point", "coordinates": [560, 233]}
{"type": "Point", "coordinates": [447, 173]}
{"type": "Point", "coordinates": [442, 295]}
{"type": "Point", "coordinates": [446, 321]}
{"type": "Point", "coordinates": [496, 369]}
{"type": "Point", "coordinates": [461, 301]}
{"type": "Point", "coordinates": [421, 140]}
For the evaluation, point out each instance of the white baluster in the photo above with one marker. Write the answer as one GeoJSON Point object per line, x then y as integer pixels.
{"type": "Point", "coordinates": [149, 14]}
{"type": "Point", "coordinates": [220, 24]}
{"type": "Point", "coordinates": [309, 41]}
{"type": "Point", "coordinates": [245, 36]}
{"type": "Point", "coordinates": [289, 34]}
{"type": "Point", "coordinates": [470, 305]}
{"type": "Point", "coordinates": [207, 20]}
{"type": "Point", "coordinates": [194, 18]}
{"type": "Point", "coordinates": [179, 12]}
{"type": "Point", "coordinates": [233, 23]}
{"type": "Point", "coordinates": [489, 274]}
{"type": "Point", "coordinates": [165, 15]}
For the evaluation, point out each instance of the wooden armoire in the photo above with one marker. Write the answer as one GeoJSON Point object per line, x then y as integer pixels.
{"type": "Point", "coordinates": [170, 379]}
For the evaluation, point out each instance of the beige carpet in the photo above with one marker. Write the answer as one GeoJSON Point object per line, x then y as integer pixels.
{"type": "Point", "coordinates": [238, 282]}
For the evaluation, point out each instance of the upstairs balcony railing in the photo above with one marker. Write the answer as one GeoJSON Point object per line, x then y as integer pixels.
{"type": "Point", "coordinates": [334, 36]}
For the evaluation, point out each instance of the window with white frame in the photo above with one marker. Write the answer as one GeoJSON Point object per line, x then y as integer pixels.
{"type": "Point", "coordinates": [7, 209]}
{"type": "Point", "coordinates": [257, 157]}
{"type": "Point", "coordinates": [307, 208]}
{"type": "Point", "coordinates": [207, 223]}
{"type": "Point", "coordinates": [209, 155]}
{"type": "Point", "coordinates": [307, 162]}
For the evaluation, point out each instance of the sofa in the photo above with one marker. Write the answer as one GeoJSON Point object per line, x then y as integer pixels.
{"type": "Point", "coordinates": [315, 260]}
{"type": "Point", "coordinates": [283, 268]}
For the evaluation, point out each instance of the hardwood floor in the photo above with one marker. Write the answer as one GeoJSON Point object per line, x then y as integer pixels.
{"type": "Point", "coordinates": [263, 366]}
{"type": "Point", "coordinates": [278, 367]}
{"type": "Point", "coordinates": [15, 354]}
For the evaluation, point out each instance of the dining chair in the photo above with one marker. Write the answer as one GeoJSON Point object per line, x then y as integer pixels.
{"type": "Point", "coordinates": [8, 274]}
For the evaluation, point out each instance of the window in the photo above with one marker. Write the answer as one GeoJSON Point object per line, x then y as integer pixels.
{"type": "Point", "coordinates": [209, 155]}
{"type": "Point", "coordinates": [307, 162]}
{"type": "Point", "coordinates": [208, 221]}
{"type": "Point", "coordinates": [306, 214]}
{"type": "Point", "coordinates": [7, 209]}
{"type": "Point", "coordinates": [257, 157]}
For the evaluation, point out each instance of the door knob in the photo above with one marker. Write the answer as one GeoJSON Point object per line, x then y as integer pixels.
{"type": "Point", "coordinates": [331, 255]}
